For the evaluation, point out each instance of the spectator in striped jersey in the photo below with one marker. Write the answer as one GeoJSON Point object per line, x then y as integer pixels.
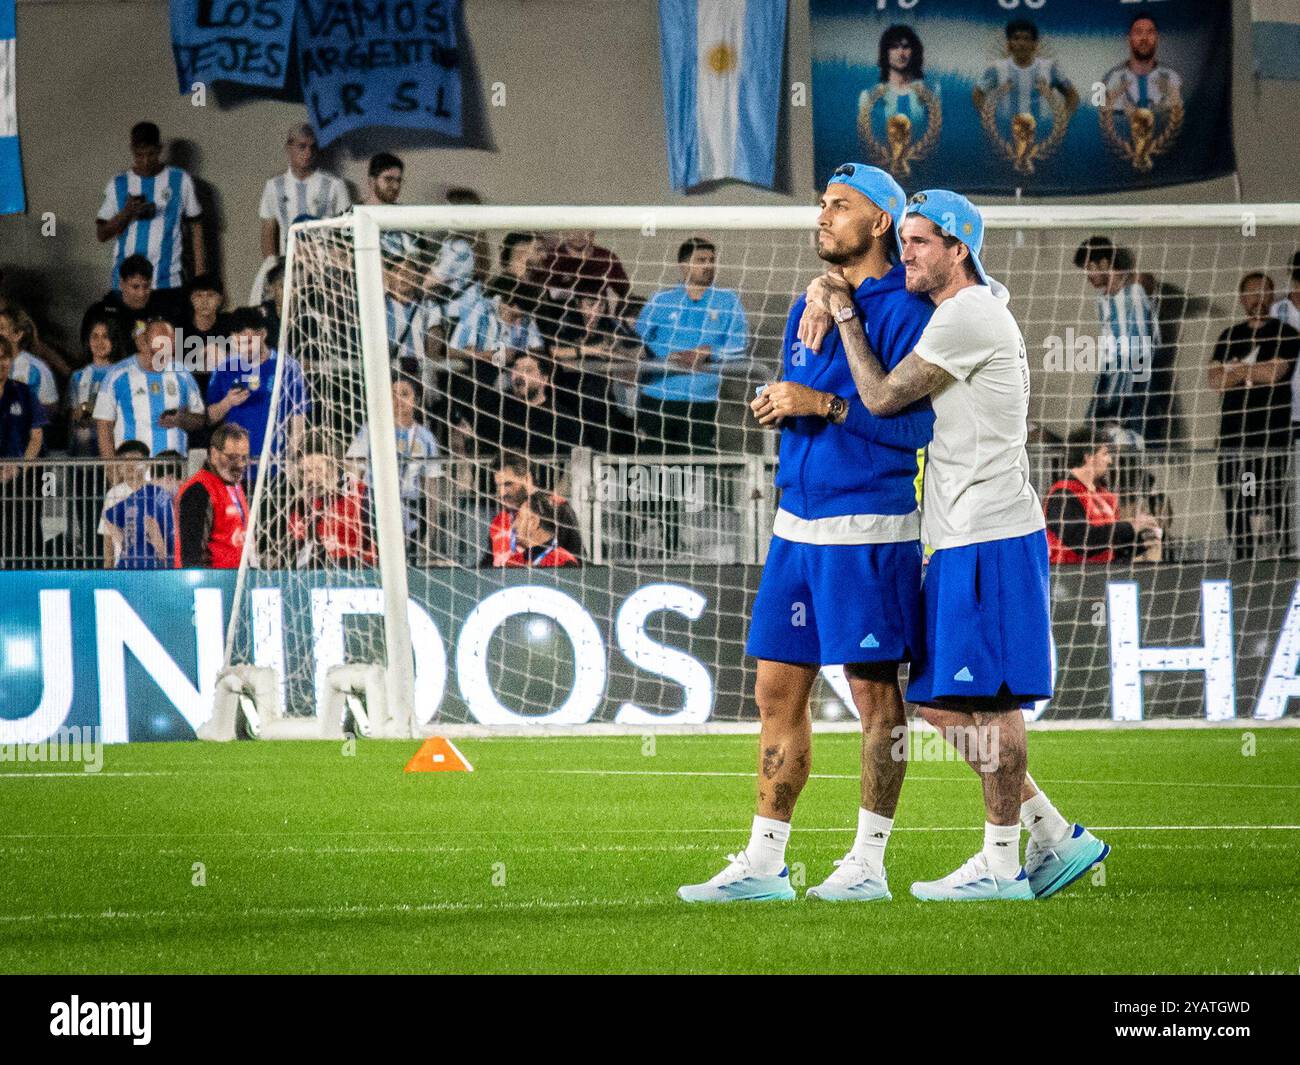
{"type": "Point", "coordinates": [84, 387]}
{"type": "Point", "coordinates": [146, 211]}
{"type": "Point", "coordinates": [1130, 338]}
{"type": "Point", "coordinates": [303, 189]}
{"type": "Point", "coordinates": [28, 368]}
{"type": "Point", "coordinates": [147, 398]}
{"type": "Point", "coordinates": [417, 472]}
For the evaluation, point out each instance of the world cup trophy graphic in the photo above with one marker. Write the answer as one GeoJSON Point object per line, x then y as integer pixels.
{"type": "Point", "coordinates": [1024, 101]}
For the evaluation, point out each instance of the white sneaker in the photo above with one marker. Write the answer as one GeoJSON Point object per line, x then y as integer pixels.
{"type": "Point", "coordinates": [973, 882]}
{"type": "Point", "coordinates": [853, 881]}
{"type": "Point", "coordinates": [738, 882]}
{"type": "Point", "coordinates": [1052, 868]}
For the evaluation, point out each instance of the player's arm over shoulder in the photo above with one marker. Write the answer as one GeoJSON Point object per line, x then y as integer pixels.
{"type": "Point", "coordinates": [883, 392]}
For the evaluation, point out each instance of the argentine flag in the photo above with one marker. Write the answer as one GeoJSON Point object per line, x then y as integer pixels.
{"type": "Point", "coordinates": [12, 200]}
{"type": "Point", "coordinates": [722, 88]}
{"type": "Point", "coordinates": [1276, 31]}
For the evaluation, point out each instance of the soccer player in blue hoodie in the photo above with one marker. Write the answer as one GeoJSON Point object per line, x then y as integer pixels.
{"type": "Point", "coordinates": [842, 581]}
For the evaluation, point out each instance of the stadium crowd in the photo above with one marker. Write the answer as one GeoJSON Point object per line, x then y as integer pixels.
{"type": "Point", "coordinates": [512, 358]}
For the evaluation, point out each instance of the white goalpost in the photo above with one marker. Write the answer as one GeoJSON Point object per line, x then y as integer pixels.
{"type": "Point", "coordinates": [451, 374]}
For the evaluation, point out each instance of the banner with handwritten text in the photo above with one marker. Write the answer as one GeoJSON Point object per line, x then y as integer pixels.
{"type": "Point", "coordinates": [245, 41]}
{"type": "Point", "coordinates": [386, 63]}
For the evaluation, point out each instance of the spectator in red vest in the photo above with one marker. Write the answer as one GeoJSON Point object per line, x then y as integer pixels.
{"type": "Point", "coordinates": [1083, 515]}
{"type": "Point", "coordinates": [514, 481]}
{"type": "Point", "coordinates": [330, 521]}
{"type": "Point", "coordinates": [211, 509]}
{"type": "Point", "coordinates": [537, 527]}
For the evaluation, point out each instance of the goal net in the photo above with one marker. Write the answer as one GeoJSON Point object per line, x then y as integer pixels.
{"type": "Point", "coordinates": [522, 472]}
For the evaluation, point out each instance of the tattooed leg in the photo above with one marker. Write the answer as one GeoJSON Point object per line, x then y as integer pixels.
{"type": "Point", "coordinates": [958, 724]}
{"type": "Point", "coordinates": [880, 706]}
{"type": "Point", "coordinates": [785, 743]}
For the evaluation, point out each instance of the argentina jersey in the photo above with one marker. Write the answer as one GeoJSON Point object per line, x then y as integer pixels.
{"type": "Point", "coordinates": [285, 197]}
{"type": "Point", "coordinates": [1130, 336]}
{"type": "Point", "coordinates": [83, 388]}
{"type": "Point", "coordinates": [408, 325]}
{"type": "Point", "coordinates": [134, 399]}
{"type": "Point", "coordinates": [159, 238]}
{"type": "Point", "coordinates": [36, 375]}
{"type": "Point", "coordinates": [1027, 85]}
{"type": "Point", "coordinates": [1158, 90]}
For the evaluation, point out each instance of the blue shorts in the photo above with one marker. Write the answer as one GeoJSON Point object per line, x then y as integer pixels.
{"type": "Point", "coordinates": [835, 604]}
{"type": "Point", "coordinates": [988, 623]}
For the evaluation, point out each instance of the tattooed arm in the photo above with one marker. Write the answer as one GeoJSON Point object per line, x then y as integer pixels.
{"type": "Point", "coordinates": [882, 393]}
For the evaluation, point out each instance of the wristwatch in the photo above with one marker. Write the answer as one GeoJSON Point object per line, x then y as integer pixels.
{"type": "Point", "coordinates": [845, 313]}
{"type": "Point", "coordinates": [837, 409]}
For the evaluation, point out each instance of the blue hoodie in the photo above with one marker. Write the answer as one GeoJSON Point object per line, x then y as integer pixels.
{"type": "Point", "coordinates": [868, 464]}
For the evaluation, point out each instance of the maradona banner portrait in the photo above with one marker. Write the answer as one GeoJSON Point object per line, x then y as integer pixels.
{"type": "Point", "coordinates": [1051, 97]}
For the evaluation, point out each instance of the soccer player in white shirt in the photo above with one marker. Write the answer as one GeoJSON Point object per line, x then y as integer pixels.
{"type": "Point", "coordinates": [1140, 81]}
{"type": "Point", "coordinates": [300, 190]}
{"type": "Point", "coordinates": [987, 611]}
{"type": "Point", "coordinates": [146, 210]}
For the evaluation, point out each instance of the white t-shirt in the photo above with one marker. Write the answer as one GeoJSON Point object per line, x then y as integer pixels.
{"type": "Point", "coordinates": [977, 481]}
{"type": "Point", "coordinates": [284, 198]}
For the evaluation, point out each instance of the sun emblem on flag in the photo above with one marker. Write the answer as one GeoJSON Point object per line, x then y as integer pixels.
{"type": "Point", "coordinates": [722, 58]}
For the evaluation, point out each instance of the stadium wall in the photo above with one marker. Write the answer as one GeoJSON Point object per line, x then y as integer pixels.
{"type": "Point", "coordinates": [135, 654]}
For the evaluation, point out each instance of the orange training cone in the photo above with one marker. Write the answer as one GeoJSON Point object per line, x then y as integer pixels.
{"type": "Point", "coordinates": [438, 755]}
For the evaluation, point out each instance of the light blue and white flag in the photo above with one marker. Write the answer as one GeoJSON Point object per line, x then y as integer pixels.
{"type": "Point", "coordinates": [12, 200]}
{"type": "Point", "coordinates": [722, 88]}
{"type": "Point", "coordinates": [1276, 32]}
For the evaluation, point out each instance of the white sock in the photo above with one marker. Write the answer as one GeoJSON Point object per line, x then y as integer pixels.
{"type": "Point", "coordinates": [1002, 849]}
{"type": "Point", "coordinates": [766, 848]}
{"type": "Point", "coordinates": [873, 835]}
{"type": "Point", "coordinates": [1046, 826]}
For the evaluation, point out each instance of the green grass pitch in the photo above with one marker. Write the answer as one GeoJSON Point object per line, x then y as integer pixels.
{"type": "Point", "coordinates": [564, 854]}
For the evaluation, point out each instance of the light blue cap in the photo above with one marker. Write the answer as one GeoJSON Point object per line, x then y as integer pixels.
{"type": "Point", "coordinates": [957, 217]}
{"type": "Point", "coordinates": [880, 188]}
